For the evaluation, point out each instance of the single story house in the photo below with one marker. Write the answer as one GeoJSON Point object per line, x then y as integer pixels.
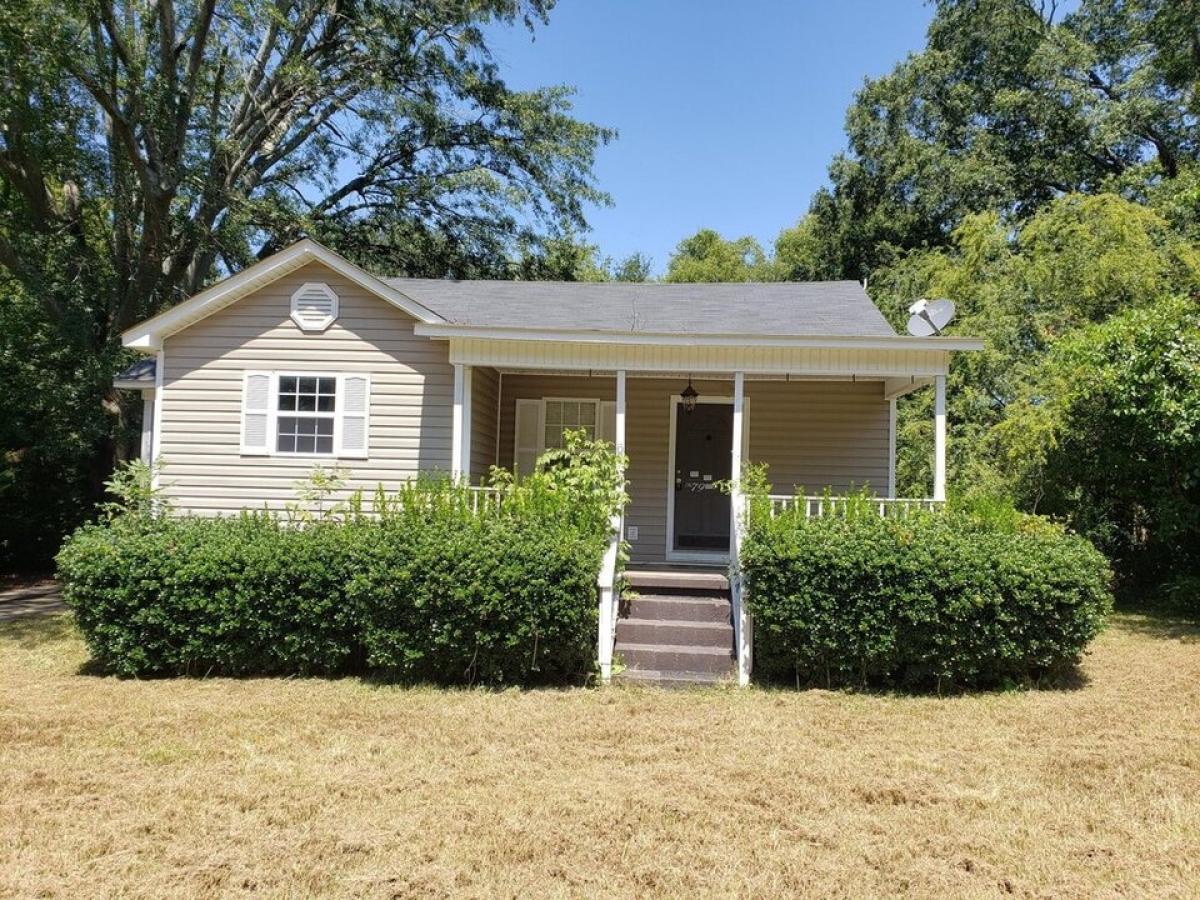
{"type": "Point", "coordinates": [305, 358]}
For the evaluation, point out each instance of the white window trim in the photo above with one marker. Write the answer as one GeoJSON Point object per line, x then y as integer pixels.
{"type": "Point", "coordinates": [273, 413]}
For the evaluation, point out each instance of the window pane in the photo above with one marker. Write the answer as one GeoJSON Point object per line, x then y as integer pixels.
{"type": "Point", "coordinates": [287, 383]}
{"type": "Point", "coordinates": [570, 414]}
{"type": "Point", "coordinates": [553, 436]}
{"type": "Point", "coordinates": [287, 402]}
{"type": "Point", "coordinates": [325, 403]}
{"type": "Point", "coordinates": [587, 414]}
{"type": "Point", "coordinates": [308, 385]}
{"type": "Point", "coordinates": [326, 386]}
{"type": "Point", "coordinates": [307, 403]}
{"type": "Point", "coordinates": [304, 434]}
{"type": "Point", "coordinates": [553, 412]}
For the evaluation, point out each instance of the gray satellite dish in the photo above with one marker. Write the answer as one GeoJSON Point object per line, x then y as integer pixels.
{"type": "Point", "coordinates": [929, 317]}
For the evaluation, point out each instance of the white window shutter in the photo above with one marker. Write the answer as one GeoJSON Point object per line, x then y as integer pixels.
{"type": "Point", "coordinates": [256, 413]}
{"type": "Point", "coordinates": [606, 428]}
{"type": "Point", "coordinates": [527, 437]}
{"type": "Point", "coordinates": [354, 408]}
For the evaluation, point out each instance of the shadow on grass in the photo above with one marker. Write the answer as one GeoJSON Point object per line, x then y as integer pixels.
{"type": "Point", "coordinates": [1163, 623]}
{"type": "Point", "coordinates": [33, 630]}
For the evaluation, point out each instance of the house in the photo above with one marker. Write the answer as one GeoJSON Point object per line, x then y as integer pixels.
{"type": "Point", "coordinates": [305, 358]}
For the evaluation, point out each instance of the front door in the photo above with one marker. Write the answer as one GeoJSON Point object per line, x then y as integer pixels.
{"type": "Point", "coordinates": [703, 445]}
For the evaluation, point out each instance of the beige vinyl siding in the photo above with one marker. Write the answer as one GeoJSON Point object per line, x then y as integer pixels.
{"type": "Point", "coordinates": [819, 434]}
{"type": "Point", "coordinates": [410, 401]}
{"type": "Point", "coordinates": [485, 394]}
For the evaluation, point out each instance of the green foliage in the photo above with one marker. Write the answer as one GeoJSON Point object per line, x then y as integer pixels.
{"type": "Point", "coordinates": [1075, 263]}
{"type": "Point", "coordinates": [706, 256]}
{"type": "Point", "coordinates": [135, 490]}
{"type": "Point", "coordinates": [431, 583]}
{"type": "Point", "coordinates": [147, 152]}
{"type": "Point", "coordinates": [1107, 434]}
{"type": "Point", "coordinates": [954, 599]}
{"type": "Point", "coordinates": [570, 259]}
{"type": "Point", "coordinates": [237, 596]}
{"type": "Point", "coordinates": [1006, 108]}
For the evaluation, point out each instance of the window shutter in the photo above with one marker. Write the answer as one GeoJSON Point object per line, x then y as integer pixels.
{"type": "Point", "coordinates": [354, 405]}
{"type": "Point", "coordinates": [527, 439]}
{"type": "Point", "coordinates": [256, 413]}
{"type": "Point", "coordinates": [606, 428]}
{"type": "Point", "coordinates": [314, 306]}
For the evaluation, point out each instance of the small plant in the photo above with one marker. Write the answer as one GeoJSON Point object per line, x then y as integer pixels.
{"type": "Point", "coordinates": [134, 487]}
{"type": "Point", "coordinates": [315, 491]}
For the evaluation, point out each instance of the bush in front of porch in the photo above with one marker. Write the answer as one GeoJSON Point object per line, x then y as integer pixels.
{"type": "Point", "coordinates": [436, 582]}
{"type": "Point", "coordinates": [935, 600]}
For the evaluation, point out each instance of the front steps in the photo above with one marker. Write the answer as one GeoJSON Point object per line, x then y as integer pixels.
{"type": "Point", "coordinates": [678, 630]}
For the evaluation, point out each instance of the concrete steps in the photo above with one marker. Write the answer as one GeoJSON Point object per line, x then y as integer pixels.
{"type": "Point", "coordinates": [678, 630]}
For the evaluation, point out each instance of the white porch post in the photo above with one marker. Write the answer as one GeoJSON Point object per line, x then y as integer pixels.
{"type": "Point", "coordinates": [939, 437]}
{"type": "Point", "coordinates": [743, 634]}
{"type": "Point", "coordinates": [608, 592]}
{"type": "Point", "coordinates": [892, 448]}
{"type": "Point", "coordinates": [147, 452]}
{"type": "Point", "coordinates": [460, 431]}
{"type": "Point", "coordinates": [619, 431]}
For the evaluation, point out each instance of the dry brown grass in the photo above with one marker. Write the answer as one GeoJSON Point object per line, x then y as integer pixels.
{"type": "Point", "coordinates": [309, 787]}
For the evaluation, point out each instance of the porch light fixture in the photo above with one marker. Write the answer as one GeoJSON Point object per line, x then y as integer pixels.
{"type": "Point", "coordinates": [689, 395]}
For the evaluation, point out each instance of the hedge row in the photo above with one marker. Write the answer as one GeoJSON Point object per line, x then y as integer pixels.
{"type": "Point", "coordinates": [930, 601]}
{"type": "Point", "coordinates": [426, 588]}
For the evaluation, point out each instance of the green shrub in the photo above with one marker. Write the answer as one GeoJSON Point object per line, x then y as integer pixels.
{"type": "Point", "coordinates": [497, 598]}
{"type": "Point", "coordinates": [427, 583]}
{"type": "Point", "coordinates": [933, 600]}
{"type": "Point", "coordinates": [236, 596]}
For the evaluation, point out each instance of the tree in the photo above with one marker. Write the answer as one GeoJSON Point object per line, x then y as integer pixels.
{"type": "Point", "coordinates": [1025, 288]}
{"type": "Point", "coordinates": [147, 146]}
{"type": "Point", "coordinates": [1006, 109]}
{"type": "Point", "coordinates": [706, 256]}
{"type": "Point", "coordinates": [570, 259]}
{"type": "Point", "coordinates": [1107, 435]}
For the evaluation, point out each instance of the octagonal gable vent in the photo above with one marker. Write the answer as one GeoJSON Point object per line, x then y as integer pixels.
{"type": "Point", "coordinates": [314, 306]}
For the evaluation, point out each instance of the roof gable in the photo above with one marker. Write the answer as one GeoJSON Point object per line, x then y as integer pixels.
{"type": "Point", "coordinates": [149, 334]}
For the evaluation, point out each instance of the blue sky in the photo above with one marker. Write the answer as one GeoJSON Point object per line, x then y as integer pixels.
{"type": "Point", "coordinates": [729, 111]}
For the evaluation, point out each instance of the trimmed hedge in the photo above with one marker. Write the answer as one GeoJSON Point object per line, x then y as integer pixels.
{"type": "Point", "coordinates": [934, 600]}
{"type": "Point", "coordinates": [428, 587]}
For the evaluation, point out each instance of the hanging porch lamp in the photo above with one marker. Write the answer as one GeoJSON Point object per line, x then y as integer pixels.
{"type": "Point", "coordinates": [689, 395]}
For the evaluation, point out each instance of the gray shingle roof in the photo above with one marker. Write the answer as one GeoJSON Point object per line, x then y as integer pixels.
{"type": "Point", "coordinates": [791, 308]}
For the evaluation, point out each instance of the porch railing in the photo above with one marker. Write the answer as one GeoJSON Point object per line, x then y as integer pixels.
{"type": "Point", "coordinates": [484, 498]}
{"type": "Point", "coordinates": [818, 506]}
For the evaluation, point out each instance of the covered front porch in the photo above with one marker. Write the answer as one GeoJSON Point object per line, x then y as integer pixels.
{"type": "Point", "coordinates": [819, 412]}
{"type": "Point", "coordinates": [832, 433]}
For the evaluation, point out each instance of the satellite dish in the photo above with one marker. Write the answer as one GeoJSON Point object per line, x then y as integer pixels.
{"type": "Point", "coordinates": [929, 317]}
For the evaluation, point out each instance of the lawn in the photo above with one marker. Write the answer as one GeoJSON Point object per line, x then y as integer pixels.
{"type": "Point", "coordinates": [310, 787]}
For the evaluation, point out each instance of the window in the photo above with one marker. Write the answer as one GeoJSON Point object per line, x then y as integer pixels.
{"type": "Point", "coordinates": [305, 414]}
{"type": "Point", "coordinates": [568, 415]}
{"type": "Point", "coordinates": [306, 406]}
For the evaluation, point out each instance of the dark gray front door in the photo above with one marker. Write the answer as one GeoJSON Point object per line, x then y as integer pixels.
{"type": "Point", "coordinates": [703, 442]}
